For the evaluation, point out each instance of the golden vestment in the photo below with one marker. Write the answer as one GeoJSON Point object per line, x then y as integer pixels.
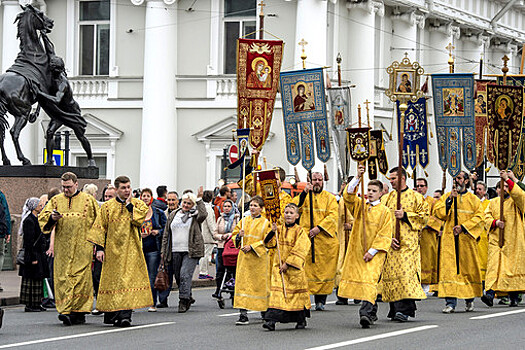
{"type": "Point", "coordinates": [506, 265]}
{"type": "Point", "coordinates": [124, 282]}
{"type": "Point", "coordinates": [429, 245]}
{"type": "Point", "coordinates": [466, 284]}
{"type": "Point", "coordinates": [343, 235]}
{"type": "Point", "coordinates": [321, 274]}
{"type": "Point", "coordinates": [294, 245]}
{"type": "Point", "coordinates": [483, 244]}
{"type": "Point", "coordinates": [360, 279]}
{"type": "Point", "coordinates": [73, 253]}
{"type": "Point", "coordinates": [252, 282]}
{"type": "Point", "coordinates": [402, 270]}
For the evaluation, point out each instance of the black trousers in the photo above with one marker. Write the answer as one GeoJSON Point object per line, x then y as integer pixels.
{"type": "Point", "coordinates": [320, 299]}
{"type": "Point", "coordinates": [114, 316]}
{"type": "Point", "coordinates": [406, 306]}
{"type": "Point", "coordinates": [368, 309]}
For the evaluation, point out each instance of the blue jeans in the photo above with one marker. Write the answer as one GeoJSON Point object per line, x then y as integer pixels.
{"type": "Point", "coordinates": [152, 263]}
{"type": "Point", "coordinates": [453, 302]}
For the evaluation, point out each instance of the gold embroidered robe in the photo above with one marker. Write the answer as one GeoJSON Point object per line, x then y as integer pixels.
{"type": "Point", "coordinates": [124, 282]}
{"type": "Point", "coordinates": [360, 279]}
{"type": "Point", "coordinates": [402, 270]}
{"type": "Point", "coordinates": [344, 216]}
{"type": "Point", "coordinates": [506, 265]}
{"type": "Point", "coordinates": [321, 274]}
{"type": "Point", "coordinates": [429, 245]}
{"type": "Point", "coordinates": [466, 284]}
{"type": "Point", "coordinates": [294, 245]}
{"type": "Point", "coordinates": [73, 254]}
{"type": "Point", "coordinates": [252, 277]}
{"type": "Point", "coordinates": [483, 244]}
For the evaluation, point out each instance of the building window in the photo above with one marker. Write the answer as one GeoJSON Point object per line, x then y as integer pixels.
{"type": "Point", "coordinates": [239, 20]}
{"type": "Point", "coordinates": [94, 18]}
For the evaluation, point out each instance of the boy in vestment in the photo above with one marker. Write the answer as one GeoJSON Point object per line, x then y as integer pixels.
{"type": "Point", "coordinates": [252, 285]}
{"type": "Point", "coordinates": [294, 244]}
{"type": "Point", "coordinates": [363, 264]}
{"type": "Point", "coordinates": [124, 281]}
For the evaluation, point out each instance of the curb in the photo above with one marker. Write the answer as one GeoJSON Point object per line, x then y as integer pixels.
{"type": "Point", "coordinates": [9, 301]}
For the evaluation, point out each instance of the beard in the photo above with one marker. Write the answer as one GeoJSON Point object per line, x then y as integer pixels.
{"type": "Point", "coordinates": [317, 188]}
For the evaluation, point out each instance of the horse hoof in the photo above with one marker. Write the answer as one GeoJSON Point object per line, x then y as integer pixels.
{"type": "Point", "coordinates": [49, 162]}
{"type": "Point", "coordinates": [91, 162]}
{"type": "Point", "coordinates": [6, 162]}
{"type": "Point", "coordinates": [26, 162]}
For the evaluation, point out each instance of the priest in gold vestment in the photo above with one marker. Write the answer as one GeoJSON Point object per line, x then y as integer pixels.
{"type": "Point", "coordinates": [483, 244]}
{"type": "Point", "coordinates": [506, 265]}
{"type": "Point", "coordinates": [321, 273]}
{"type": "Point", "coordinates": [72, 214]}
{"type": "Point", "coordinates": [401, 277]}
{"type": "Point", "coordinates": [252, 276]}
{"type": "Point", "coordinates": [344, 226]}
{"type": "Point", "coordinates": [363, 264]}
{"type": "Point", "coordinates": [293, 244]}
{"type": "Point", "coordinates": [124, 282]}
{"type": "Point", "coordinates": [460, 276]}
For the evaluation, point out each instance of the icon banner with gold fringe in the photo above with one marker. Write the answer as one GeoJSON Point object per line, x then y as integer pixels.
{"type": "Point", "coordinates": [270, 194]}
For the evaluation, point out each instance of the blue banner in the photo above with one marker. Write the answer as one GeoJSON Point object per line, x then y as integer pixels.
{"type": "Point", "coordinates": [304, 114]}
{"type": "Point", "coordinates": [415, 140]}
{"type": "Point", "coordinates": [455, 120]}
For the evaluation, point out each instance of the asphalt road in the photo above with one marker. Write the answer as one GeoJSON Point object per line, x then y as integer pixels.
{"type": "Point", "coordinates": [206, 326]}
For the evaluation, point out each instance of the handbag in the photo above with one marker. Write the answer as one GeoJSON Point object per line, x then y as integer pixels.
{"type": "Point", "coordinates": [229, 254]}
{"type": "Point", "coordinates": [20, 256]}
{"type": "Point", "coordinates": [161, 281]}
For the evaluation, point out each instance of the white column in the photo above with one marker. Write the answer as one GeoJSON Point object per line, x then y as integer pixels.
{"type": "Point", "coordinates": [10, 48]}
{"type": "Point", "coordinates": [404, 35]}
{"type": "Point", "coordinates": [158, 164]}
{"type": "Point", "coordinates": [471, 49]}
{"type": "Point", "coordinates": [361, 55]}
{"type": "Point", "coordinates": [311, 26]}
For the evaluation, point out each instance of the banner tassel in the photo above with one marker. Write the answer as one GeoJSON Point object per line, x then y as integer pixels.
{"type": "Point", "coordinates": [488, 169]}
{"type": "Point", "coordinates": [426, 174]}
{"type": "Point", "coordinates": [296, 175]}
{"type": "Point", "coordinates": [326, 173]}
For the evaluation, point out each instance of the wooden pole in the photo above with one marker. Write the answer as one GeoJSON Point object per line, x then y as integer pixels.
{"type": "Point", "coordinates": [522, 58]}
{"type": "Point", "coordinates": [311, 200]}
{"type": "Point", "coordinates": [402, 107]}
{"type": "Point", "coordinates": [501, 238]}
{"type": "Point", "coordinates": [339, 59]}
{"type": "Point", "coordinates": [363, 209]}
{"type": "Point", "coordinates": [243, 193]}
{"type": "Point", "coordinates": [280, 260]}
{"type": "Point", "coordinates": [261, 20]}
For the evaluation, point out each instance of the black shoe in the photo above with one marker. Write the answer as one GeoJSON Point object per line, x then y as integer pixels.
{"type": "Point", "coordinates": [269, 325]}
{"type": "Point", "coordinates": [373, 318]}
{"type": "Point", "coordinates": [365, 321]}
{"type": "Point", "coordinates": [1, 317]}
{"type": "Point", "coordinates": [192, 301]}
{"type": "Point", "coordinates": [513, 303]}
{"type": "Point", "coordinates": [357, 302]}
{"type": "Point", "coordinates": [341, 301]}
{"type": "Point", "coordinates": [78, 319]}
{"type": "Point", "coordinates": [400, 317]}
{"type": "Point", "coordinates": [32, 309]}
{"type": "Point", "coordinates": [184, 305]}
{"type": "Point", "coordinates": [215, 295]}
{"type": "Point", "coordinates": [162, 305]}
{"type": "Point", "coordinates": [125, 322]}
{"type": "Point", "coordinates": [300, 325]}
{"type": "Point", "coordinates": [243, 320]}
{"type": "Point", "coordinates": [487, 300]}
{"type": "Point", "coordinates": [42, 308]}
{"type": "Point", "coordinates": [66, 319]}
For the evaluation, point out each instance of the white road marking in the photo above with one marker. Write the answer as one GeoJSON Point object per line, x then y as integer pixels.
{"type": "Point", "coordinates": [253, 312]}
{"type": "Point", "coordinates": [499, 314]}
{"type": "Point", "coordinates": [83, 335]}
{"type": "Point", "coordinates": [372, 338]}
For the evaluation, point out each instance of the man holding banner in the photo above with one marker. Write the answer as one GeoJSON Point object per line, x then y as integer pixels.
{"type": "Point", "coordinates": [459, 268]}
{"type": "Point", "coordinates": [321, 267]}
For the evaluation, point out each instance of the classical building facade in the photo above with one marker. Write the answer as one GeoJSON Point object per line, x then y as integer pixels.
{"type": "Point", "coordinates": [156, 78]}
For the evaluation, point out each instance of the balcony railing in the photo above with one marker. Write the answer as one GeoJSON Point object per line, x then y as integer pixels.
{"type": "Point", "coordinates": [89, 88]}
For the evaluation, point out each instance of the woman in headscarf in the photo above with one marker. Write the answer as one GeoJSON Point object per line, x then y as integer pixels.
{"type": "Point", "coordinates": [223, 232]}
{"type": "Point", "coordinates": [35, 267]}
{"type": "Point", "coordinates": [183, 245]}
{"type": "Point", "coordinates": [151, 233]}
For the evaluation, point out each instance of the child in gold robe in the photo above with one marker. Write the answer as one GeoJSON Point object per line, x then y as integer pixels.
{"type": "Point", "coordinates": [289, 265]}
{"type": "Point", "coordinates": [363, 264]}
{"type": "Point", "coordinates": [252, 285]}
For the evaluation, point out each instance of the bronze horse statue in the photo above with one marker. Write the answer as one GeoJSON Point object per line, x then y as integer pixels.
{"type": "Point", "coordinates": [33, 78]}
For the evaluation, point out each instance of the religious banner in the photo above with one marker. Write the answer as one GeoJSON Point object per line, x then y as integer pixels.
{"type": "Point", "coordinates": [378, 157]}
{"type": "Point", "coordinates": [270, 194]}
{"type": "Point", "coordinates": [258, 67]}
{"type": "Point", "coordinates": [243, 136]}
{"type": "Point", "coordinates": [455, 120]}
{"type": "Point", "coordinates": [304, 116]}
{"type": "Point", "coordinates": [359, 143]}
{"type": "Point", "coordinates": [505, 118]}
{"type": "Point", "coordinates": [340, 107]}
{"type": "Point", "coordinates": [415, 133]}
{"type": "Point", "coordinates": [512, 80]}
{"type": "Point", "coordinates": [481, 121]}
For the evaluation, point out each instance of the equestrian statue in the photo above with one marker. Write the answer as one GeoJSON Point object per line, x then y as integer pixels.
{"type": "Point", "coordinates": [38, 76]}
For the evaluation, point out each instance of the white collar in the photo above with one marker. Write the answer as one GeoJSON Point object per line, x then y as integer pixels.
{"type": "Point", "coordinates": [374, 203]}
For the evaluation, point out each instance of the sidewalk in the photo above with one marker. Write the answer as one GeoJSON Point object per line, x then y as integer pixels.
{"type": "Point", "coordinates": [10, 281]}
